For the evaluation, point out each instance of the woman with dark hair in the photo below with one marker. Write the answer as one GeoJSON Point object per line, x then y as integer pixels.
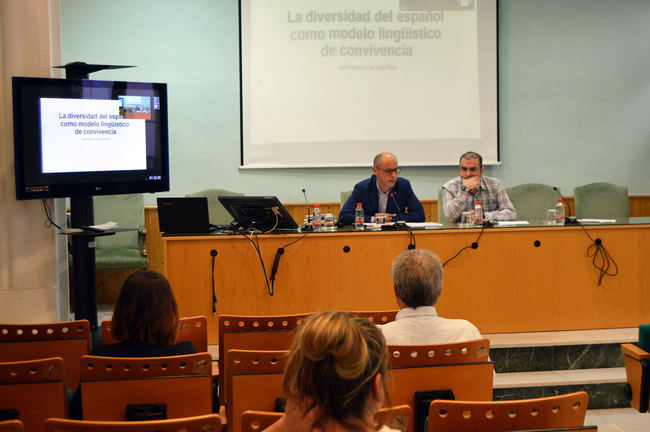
{"type": "Point", "coordinates": [335, 375]}
{"type": "Point", "coordinates": [145, 320]}
{"type": "Point", "coordinates": [145, 323]}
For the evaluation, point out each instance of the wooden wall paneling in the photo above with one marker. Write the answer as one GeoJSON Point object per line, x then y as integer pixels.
{"type": "Point", "coordinates": [153, 239]}
{"type": "Point", "coordinates": [639, 205]}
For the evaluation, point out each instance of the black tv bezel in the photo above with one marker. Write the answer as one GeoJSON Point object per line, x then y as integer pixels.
{"type": "Point", "coordinates": [82, 183]}
{"type": "Point", "coordinates": [234, 204]}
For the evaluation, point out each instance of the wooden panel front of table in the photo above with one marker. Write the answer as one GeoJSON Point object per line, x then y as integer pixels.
{"type": "Point", "coordinates": [510, 283]}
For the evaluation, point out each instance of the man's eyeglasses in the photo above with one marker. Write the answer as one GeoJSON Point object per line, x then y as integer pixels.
{"type": "Point", "coordinates": [390, 171]}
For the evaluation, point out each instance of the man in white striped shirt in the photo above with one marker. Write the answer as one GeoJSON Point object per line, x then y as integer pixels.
{"type": "Point", "coordinates": [417, 282]}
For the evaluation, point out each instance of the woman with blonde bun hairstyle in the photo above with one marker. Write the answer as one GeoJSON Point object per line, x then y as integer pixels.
{"type": "Point", "coordinates": [335, 375]}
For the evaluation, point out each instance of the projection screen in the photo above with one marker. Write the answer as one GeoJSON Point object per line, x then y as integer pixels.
{"type": "Point", "coordinates": [332, 83]}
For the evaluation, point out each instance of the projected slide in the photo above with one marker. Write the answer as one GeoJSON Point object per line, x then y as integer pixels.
{"type": "Point", "coordinates": [91, 135]}
{"type": "Point", "coordinates": [332, 83]}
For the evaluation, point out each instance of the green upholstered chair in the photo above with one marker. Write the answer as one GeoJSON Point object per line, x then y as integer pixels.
{"type": "Point", "coordinates": [601, 201]}
{"type": "Point", "coordinates": [531, 200]}
{"type": "Point", "coordinates": [124, 250]}
{"type": "Point", "coordinates": [441, 211]}
{"type": "Point", "coordinates": [218, 213]}
{"type": "Point", "coordinates": [344, 197]}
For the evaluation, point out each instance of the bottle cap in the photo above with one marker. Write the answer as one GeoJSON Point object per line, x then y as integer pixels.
{"type": "Point", "coordinates": [316, 206]}
{"type": "Point", "coordinates": [478, 202]}
{"type": "Point", "coordinates": [559, 200]}
{"type": "Point", "coordinates": [359, 205]}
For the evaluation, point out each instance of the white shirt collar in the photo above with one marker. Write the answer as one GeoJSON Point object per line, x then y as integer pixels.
{"type": "Point", "coordinates": [420, 311]}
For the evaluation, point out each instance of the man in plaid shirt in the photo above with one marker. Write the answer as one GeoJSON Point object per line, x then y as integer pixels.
{"type": "Point", "coordinates": [461, 193]}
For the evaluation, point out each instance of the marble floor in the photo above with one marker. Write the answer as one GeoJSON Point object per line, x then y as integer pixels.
{"type": "Point", "coordinates": [618, 420]}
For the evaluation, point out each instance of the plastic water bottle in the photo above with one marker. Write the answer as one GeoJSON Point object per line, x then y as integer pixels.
{"type": "Point", "coordinates": [559, 213]}
{"type": "Point", "coordinates": [358, 217]}
{"type": "Point", "coordinates": [317, 223]}
{"type": "Point", "coordinates": [478, 213]}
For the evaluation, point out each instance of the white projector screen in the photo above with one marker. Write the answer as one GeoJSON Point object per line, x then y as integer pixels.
{"type": "Point", "coordinates": [332, 83]}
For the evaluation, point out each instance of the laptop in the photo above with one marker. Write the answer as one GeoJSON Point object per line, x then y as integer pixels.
{"type": "Point", "coordinates": [183, 215]}
{"type": "Point", "coordinates": [263, 213]}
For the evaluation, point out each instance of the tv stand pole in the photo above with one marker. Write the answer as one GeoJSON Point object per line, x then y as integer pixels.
{"type": "Point", "coordinates": [83, 261]}
{"type": "Point", "coordinates": [83, 244]}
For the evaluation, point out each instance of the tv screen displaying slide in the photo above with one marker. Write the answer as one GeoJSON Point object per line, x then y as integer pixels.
{"type": "Point", "coordinates": [87, 137]}
{"type": "Point", "coordinates": [332, 83]}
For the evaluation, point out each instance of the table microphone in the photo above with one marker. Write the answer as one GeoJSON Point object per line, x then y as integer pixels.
{"type": "Point", "coordinates": [307, 226]}
{"type": "Point", "coordinates": [392, 195]}
{"type": "Point", "coordinates": [306, 201]}
{"type": "Point", "coordinates": [403, 224]}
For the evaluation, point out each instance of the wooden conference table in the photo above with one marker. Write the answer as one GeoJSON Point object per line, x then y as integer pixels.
{"type": "Point", "coordinates": [532, 278]}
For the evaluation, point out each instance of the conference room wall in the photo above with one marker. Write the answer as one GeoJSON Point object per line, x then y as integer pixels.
{"type": "Point", "coordinates": [574, 93]}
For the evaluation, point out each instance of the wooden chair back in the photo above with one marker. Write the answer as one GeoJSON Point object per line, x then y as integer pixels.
{"type": "Point", "coordinates": [377, 317]}
{"type": "Point", "coordinates": [463, 368]}
{"type": "Point", "coordinates": [68, 340]}
{"type": "Point", "coordinates": [254, 381]}
{"type": "Point", "coordinates": [396, 418]}
{"type": "Point", "coordinates": [109, 384]}
{"type": "Point", "coordinates": [273, 332]}
{"type": "Point", "coordinates": [256, 421]}
{"type": "Point", "coordinates": [193, 329]}
{"type": "Point", "coordinates": [11, 426]}
{"type": "Point", "coordinates": [637, 369]}
{"type": "Point", "coordinates": [34, 391]}
{"type": "Point", "coordinates": [204, 423]}
{"type": "Point", "coordinates": [564, 411]}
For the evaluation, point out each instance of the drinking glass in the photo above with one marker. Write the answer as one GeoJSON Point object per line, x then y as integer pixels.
{"type": "Point", "coordinates": [550, 217]}
{"type": "Point", "coordinates": [466, 219]}
{"type": "Point", "coordinates": [328, 224]}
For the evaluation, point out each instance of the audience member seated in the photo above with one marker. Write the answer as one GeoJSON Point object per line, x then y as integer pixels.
{"type": "Point", "coordinates": [145, 323]}
{"type": "Point", "coordinates": [417, 282]}
{"type": "Point", "coordinates": [335, 375]}
{"type": "Point", "coordinates": [145, 320]}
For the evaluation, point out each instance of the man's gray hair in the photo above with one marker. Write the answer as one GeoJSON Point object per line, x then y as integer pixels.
{"type": "Point", "coordinates": [417, 275]}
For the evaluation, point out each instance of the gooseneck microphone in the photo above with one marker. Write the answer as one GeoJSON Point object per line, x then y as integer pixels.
{"type": "Point", "coordinates": [306, 201]}
{"type": "Point", "coordinates": [392, 195]}
{"type": "Point", "coordinates": [403, 224]}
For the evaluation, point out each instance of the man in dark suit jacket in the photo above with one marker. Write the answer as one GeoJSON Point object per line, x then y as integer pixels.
{"type": "Point", "coordinates": [384, 192]}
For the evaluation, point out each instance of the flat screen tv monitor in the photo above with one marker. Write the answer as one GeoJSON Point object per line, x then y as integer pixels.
{"type": "Point", "coordinates": [263, 213]}
{"type": "Point", "coordinates": [75, 137]}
